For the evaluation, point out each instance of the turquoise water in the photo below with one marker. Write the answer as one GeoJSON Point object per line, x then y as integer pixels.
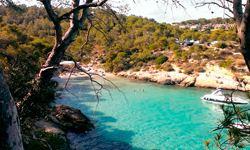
{"type": "Point", "coordinates": [160, 117]}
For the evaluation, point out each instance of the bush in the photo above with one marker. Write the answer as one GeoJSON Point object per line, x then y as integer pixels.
{"type": "Point", "coordinates": [174, 46]}
{"type": "Point", "coordinates": [220, 45]}
{"type": "Point", "coordinates": [158, 66]}
{"type": "Point", "coordinates": [160, 60]}
{"type": "Point", "coordinates": [197, 48]}
{"type": "Point", "coordinates": [225, 63]}
{"type": "Point", "coordinates": [168, 68]}
{"type": "Point", "coordinates": [55, 141]}
{"type": "Point", "coordinates": [136, 69]}
{"type": "Point", "coordinates": [139, 64]}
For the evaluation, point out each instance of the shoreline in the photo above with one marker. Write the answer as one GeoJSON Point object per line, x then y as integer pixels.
{"type": "Point", "coordinates": [203, 80]}
{"type": "Point", "coordinates": [217, 78]}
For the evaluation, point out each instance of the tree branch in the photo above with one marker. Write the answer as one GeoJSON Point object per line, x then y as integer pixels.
{"type": "Point", "coordinates": [213, 3]}
{"type": "Point", "coordinates": [54, 18]}
{"type": "Point", "coordinates": [86, 5]}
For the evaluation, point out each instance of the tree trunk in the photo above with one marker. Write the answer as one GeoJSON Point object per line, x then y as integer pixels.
{"type": "Point", "coordinates": [10, 134]}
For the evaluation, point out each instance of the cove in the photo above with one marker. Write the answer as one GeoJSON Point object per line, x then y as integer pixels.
{"type": "Point", "coordinates": [149, 116]}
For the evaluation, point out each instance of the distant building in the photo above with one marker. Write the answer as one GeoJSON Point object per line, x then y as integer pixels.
{"type": "Point", "coordinates": [219, 26]}
{"type": "Point", "coordinates": [228, 26]}
{"type": "Point", "coordinates": [183, 26]}
{"type": "Point", "coordinates": [194, 27]}
{"type": "Point", "coordinates": [207, 26]}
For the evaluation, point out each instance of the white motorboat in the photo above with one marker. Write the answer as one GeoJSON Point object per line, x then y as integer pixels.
{"type": "Point", "coordinates": [219, 97]}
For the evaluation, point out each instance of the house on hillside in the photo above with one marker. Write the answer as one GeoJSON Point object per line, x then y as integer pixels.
{"type": "Point", "coordinates": [184, 26]}
{"type": "Point", "coordinates": [194, 27]}
{"type": "Point", "coordinates": [207, 26]}
{"type": "Point", "coordinates": [219, 26]}
{"type": "Point", "coordinates": [228, 26]}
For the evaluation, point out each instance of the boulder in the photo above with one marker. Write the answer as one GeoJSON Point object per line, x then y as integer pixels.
{"type": "Point", "coordinates": [189, 81]}
{"type": "Point", "coordinates": [69, 118]}
{"type": "Point", "coordinates": [166, 81]}
{"type": "Point", "coordinates": [178, 77]}
{"type": "Point", "coordinates": [144, 78]}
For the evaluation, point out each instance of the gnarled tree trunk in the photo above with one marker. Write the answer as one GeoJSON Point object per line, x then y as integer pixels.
{"type": "Point", "coordinates": [63, 41]}
{"type": "Point", "coordinates": [243, 28]}
{"type": "Point", "coordinates": [10, 134]}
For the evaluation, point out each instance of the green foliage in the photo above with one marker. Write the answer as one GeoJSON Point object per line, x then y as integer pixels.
{"type": "Point", "coordinates": [145, 56]}
{"type": "Point", "coordinates": [174, 46]}
{"type": "Point", "coordinates": [225, 63]}
{"type": "Point", "coordinates": [227, 134]}
{"type": "Point", "coordinates": [136, 69]}
{"type": "Point", "coordinates": [55, 141]}
{"type": "Point", "coordinates": [221, 45]}
{"type": "Point", "coordinates": [217, 35]}
{"type": "Point", "coordinates": [168, 68]}
{"type": "Point", "coordinates": [197, 48]}
{"type": "Point", "coordinates": [204, 37]}
{"type": "Point", "coordinates": [160, 60]}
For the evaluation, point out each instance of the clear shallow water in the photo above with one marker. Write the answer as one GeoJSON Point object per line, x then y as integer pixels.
{"type": "Point", "coordinates": [161, 117]}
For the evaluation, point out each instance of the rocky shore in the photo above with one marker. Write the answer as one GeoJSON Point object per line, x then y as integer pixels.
{"type": "Point", "coordinates": [205, 80]}
{"type": "Point", "coordinates": [60, 120]}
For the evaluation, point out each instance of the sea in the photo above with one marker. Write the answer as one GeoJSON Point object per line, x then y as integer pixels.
{"type": "Point", "coordinates": [132, 114]}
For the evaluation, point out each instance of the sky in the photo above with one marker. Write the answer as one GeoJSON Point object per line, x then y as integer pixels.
{"type": "Point", "coordinates": [164, 13]}
{"type": "Point", "coordinates": [151, 9]}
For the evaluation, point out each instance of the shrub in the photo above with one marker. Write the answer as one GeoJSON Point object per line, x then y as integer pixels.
{"type": "Point", "coordinates": [161, 59]}
{"type": "Point", "coordinates": [55, 141]}
{"type": "Point", "coordinates": [225, 63]}
{"type": "Point", "coordinates": [158, 66]}
{"type": "Point", "coordinates": [136, 69]}
{"type": "Point", "coordinates": [220, 45]}
{"type": "Point", "coordinates": [197, 48]}
{"type": "Point", "coordinates": [174, 46]}
{"type": "Point", "coordinates": [168, 68]}
{"type": "Point", "coordinates": [139, 64]}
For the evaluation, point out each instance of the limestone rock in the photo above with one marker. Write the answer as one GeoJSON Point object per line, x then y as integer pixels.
{"type": "Point", "coordinates": [166, 81]}
{"type": "Point", "coordinates": [69, 118]}
{"type": "Point", "coordinates": [178, 77]}
{"type": "Point", "coordinates": [189, 81]}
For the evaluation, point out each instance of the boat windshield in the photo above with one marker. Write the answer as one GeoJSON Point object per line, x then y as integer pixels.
{"type": "Point", "coordinates": [217, 92]}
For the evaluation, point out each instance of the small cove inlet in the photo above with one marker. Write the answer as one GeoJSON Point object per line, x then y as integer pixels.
{"type": "Point", "coordinates": [152, 116]}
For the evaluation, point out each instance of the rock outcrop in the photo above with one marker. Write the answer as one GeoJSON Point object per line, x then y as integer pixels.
{"type": "Point", "coordinates": [68, 118]}
{"type": "Point", "coordinates": [189, 81]}
{"type": "Point", "coordinates": [205, 81]}
{"type": "Point", "coordinates": [166, 81]}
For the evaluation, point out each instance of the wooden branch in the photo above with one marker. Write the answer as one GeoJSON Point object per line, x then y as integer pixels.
{"type": "Point", "coordinates": [84, 6]}
{"type": "Point", "coordinates": [99, 30]}
{"type": "Point", "coordinates": [213, 3]}
{"type": "Point", "coordinates": [87, 37]}
{"type": "Point", "coordinates": [54, 18]}
{"type": "Point", "coordinates": [109, 8]}
{"type": "Point", "coordinates": [74, 16]}
{"type": "Point", "coordinates": [34, 137]}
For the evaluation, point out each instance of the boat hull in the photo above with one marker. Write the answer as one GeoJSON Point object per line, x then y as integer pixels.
{"type": "Point", "coordinates": [224, 100]}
